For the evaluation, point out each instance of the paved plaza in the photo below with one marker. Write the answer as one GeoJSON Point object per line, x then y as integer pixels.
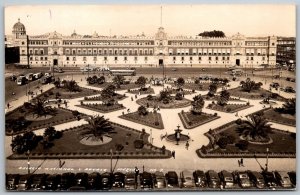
{"type": "Point", "coordinates": [184, 159]}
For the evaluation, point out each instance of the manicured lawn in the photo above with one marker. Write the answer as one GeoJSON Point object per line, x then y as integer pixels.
{"type": "Point", "coordinates": [69, 146]}
{"type": "Point", "coordinates": [200, 87]}
{"type": "Point", "coordinates": [184, 91]}
{"type": "Point", "coordinates": [276, 117]}
{"type": "Point", "coordinates": [103, 108]}
{"type": "Point", "coordinates": [172, 104]}
{"type": "Point", "coordinates": [216, 97]}
{"type": "Point", "coordinates": [254, 94]}
{"type": "Point", "coordinates": [122, 87]}
{"type": "Point", "coordinates": [60, 116]}
{"type": "Point", "coordinates": [151, 119]}
{"type": "Point", "coordinates": [65, 94]}
{"type": "Point", "coordinates": [147, 90]}
{"type": "Point", "coordinates": [283, 143]}
{"type": "Point", "coordinates": [100, 98]}
{"type": "Point", "coordinates": [191, 120]}
{"type": "Point", "coordinates": [230, 108]}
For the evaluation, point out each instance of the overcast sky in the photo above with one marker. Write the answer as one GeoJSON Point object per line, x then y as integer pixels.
{"type": "Point", "coordinates": [250, 20]}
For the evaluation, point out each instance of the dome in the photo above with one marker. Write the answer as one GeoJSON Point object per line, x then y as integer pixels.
{"type": "Point", "coordinates": [74, 34]}
{"type": "Point", "coordinates": [19, 26]}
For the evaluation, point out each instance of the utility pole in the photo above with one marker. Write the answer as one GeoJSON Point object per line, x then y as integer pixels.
{"type": "Point", "coordinates": [28, 161]}
{"type": "Point", "coordinates": [267, 160]}
{"type": "Point", "coordinates": [111, 155]}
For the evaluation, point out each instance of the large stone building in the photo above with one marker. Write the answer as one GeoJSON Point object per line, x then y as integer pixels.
{"type": "Point", "coordinates": [77, 50]}
{"type": "Point", "coordinates": [286, 50]}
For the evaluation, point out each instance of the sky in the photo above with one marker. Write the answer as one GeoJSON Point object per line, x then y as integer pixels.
{"type": "Point", "coordinates": [189, 20]}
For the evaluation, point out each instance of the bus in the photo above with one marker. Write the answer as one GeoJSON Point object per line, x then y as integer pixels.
{"type": "Point", "coordinates": [21, 80]}
{"type": "Point", "coordinates": [122, 72]}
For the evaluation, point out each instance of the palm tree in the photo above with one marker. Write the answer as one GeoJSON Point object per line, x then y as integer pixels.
{"type": "Point", "coordinates": [118, 80]}
{"type": "Point", "coordinates": [224, 97]}
{"type": "Point", "coordinates": [108, 92]}
{"type": "Point", "coordinates": [212, 89]}
{"type": "Point", "coordinates": [255, 128]}
{"type": "Point", "coordinates": [180, 82]}
{"type": "Point", "coordinates": [249, 85]}
{"type": "Point", "coordinates": [290, 106]}
{"type": "Point", "coordinates": [39, 108]}
{"type": "Point", "coordinates": [101, 80]}
{"type": "Point", "coordinates": [98, 127]}
{"type": "Point", "coordinates": [164, 95]}
{"type": "Point", "coordinates": [141, 81]}
{"type": "Point", "coordinates": [197, 104]}
{"type": "Point", "coordinates": [71, 86]}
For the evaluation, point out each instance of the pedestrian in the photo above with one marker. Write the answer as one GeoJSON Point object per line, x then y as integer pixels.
{"type": "Point", "coordinates": [123, 113]}
{"type": "Point", "coordinates": [239, 163]}
{"type": "Point", "coordinates": [242, 162]}
{"type": "Point", "coordinates": [187, 145]}
{"type": "Point", "coordinates": [236, 114]}
{"type": "Point", "coordinates": [173, 154]}
{"type": "Point", "coordinates": [41, 91]}
{"type": "Point", "coordinates": [131, 98]}
{"type": "Point", "coordinates": [147, 105]}
{"type": "Point", "coordinates": [137, 171]}
{"type": "Point", "coordinates": [139, 93]}
{"type": "Point", "coordinates": [8, 105]}
{"type": "Point", "coordinates": [128, 110]}
{"type": "Point", "coordinates": [158, 108]}
{"type": "Point", "coordinates": [135, 96]}
{"type": "Point", "coordinates": [66, 103]}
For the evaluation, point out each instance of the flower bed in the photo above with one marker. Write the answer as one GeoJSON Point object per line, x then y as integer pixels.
{"type": "Point", "coordinates": [191, 120]}
{"type": "Point", "coordinates": [100, 98]}
{"type": "Point", "coordinates": [229, 108]}
{"type": "Point", "coordinates": [69, 147]}
{"type": "Point", "coordinates": [151, 119]}
{"type": "Point", "coordinates": [254, 94]}
{"type": "Point", "coordinates": [103, 108]}
{"type": "Point", "coordinates": [283, 145]}
{"type": "Point", "coordinates": [173, 103]}
{"type": "Point", "coordinates": [142, 92]}
{"type": "Point", "coordinates": [216, 97]}
{"type": "Point", "coordinates": [202, 86]}
{"type": "Point", "coordinates": [122, 87]}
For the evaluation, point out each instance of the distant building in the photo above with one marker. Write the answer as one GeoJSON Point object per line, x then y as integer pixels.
{"type": "Point", "coordinates": [76, 50]}
{"type": "Point", "coordinates": [286, 50]}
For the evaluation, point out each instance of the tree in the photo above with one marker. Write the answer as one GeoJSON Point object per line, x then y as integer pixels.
{"type": "Point", "coordinates": [224, 97]}
{"type": "Point", "coordinates": [164, 95]}
{"type": "Point", "coordinates": [101, 80]}
{"type": "Point", "coordinates": [289, 106]}
{"type": "Point", "coordinates": [180, 82]}
{"type": "Point", "coordinates": [50, 133]}
{"type": "Point", "coordinates": [249, 85]}
{"type": "Point", "coordinates": [141, 81]}
{"type": "Point", "coordinates": [142, 110]}
{"type": "Point", "coordinates": [108, 92]}
{"type": "Point", "coordinates": [255, 128]}
{"type": "Point", "coordinates": [214, 33]}
{"type": "Point", "coordinates": [39, 108]}
{"type": "Point", "coordinates": [118, 80]}
{"type": "Point", "coordinates": [178, 96]}
{"type": "Point", "coordinates": [98, 127]}
{"type": "Point", "coordinates": [212, 89]}
{"type": "Point", "coordinates": [56, 83]}
{"type": "Point", "coordinates": [71, 86]}
{"type": "Point", "coordinates": [197, 104]}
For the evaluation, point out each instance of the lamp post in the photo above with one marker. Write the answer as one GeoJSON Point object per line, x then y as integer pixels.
{"type": "Point", "coordinates": [111, 155]}
{"type": "Point", "coordinates": [28, 161]}
{"type": "Point", "coordinates": [267, 160]}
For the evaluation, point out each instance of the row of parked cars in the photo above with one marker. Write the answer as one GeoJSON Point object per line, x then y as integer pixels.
{"type": "Point", "coordinates": [118, 181]}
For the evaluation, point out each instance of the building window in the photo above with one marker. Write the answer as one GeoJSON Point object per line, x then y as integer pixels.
{"type": "Point", "coordinates": [42, 52]}
{"type": "Point", "coordinates": [95, 58]}
{"type": "Point", "coordinates": [217, 58]}
{"type": "Point", "coordinates": [74, 58]}
{"type": "Point", "coordinates": [251, 58]}
{"type": "Point", "coordinates": [191, 58]}
{"type": "Point", "coordinates": [174, 58]}
{"type": "Point", "coordinates": [199, 58]}
{"type": "Point", "coordinates": [74, 52]}
{"type": "Point", "coordinates": [146, 58]}
{"type": "Point", "coordinates": [23, 51]}
{"type": "Point", "coordinates": [223, 58]}
{"type": "Point", "coordinates": [35, 52]}
{"type": "Point", "coordinates": [135, 58]}
{"type": "Point", "coordinates": [68, 58]}
{"type": "Point", "coordinates": [227, 58]}
{"type": "Point", "coordinates": [84, 58]}
{"type": "Point", "coordinates": [263, 58]}
{"type": "Point", "coordinates": [105, 58]}
{"type": "Point", "coordinates": [182, 58]}
{"type": "Point", "coordinates": [209, 58]}
{"type": "Point", "coordinates": [30, 58]}
{"type": "Point", "coordinates": [46, 58]}
{"type": "Point", "coordinates": [125, 58]}
{"type": "Point", "coordinates": [116, 58]}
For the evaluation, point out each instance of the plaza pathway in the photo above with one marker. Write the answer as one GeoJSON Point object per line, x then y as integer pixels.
{"type": "Point", "coordinates": [184, 159]}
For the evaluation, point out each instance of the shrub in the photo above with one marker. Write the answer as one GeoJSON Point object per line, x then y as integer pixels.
{"type": "Point", "coordinates": [215, 114]}
{"type": "Point", "coordinates": [166, 101]}
{"type": "Point", "coordinates": [230, 139]}
{"type": "Point", "coordinates": [242, 145]}
{"type": "Point", "coordinates": [119, 147]}
{"type": "Point", "coordinates": [50, 93]}
{"type": "Point", "coordinates": [27, 105]}
{"type": "Point", "coordinates": [138, 144]}
{"type": "Point", "coordinates": [149, 97]}
{"type": "Point", "coordinates": [238, 121]}
{"type": "Point", "coordinates": [222, 142]}
{"type": "Point", "coordinates": [193, 90]}
{"type": "Point", "coordinates": [190, 123]}
{"type": "Point", "coordinates": [156, 123]}
{"type": "Point", "coordinates": [228, 110]}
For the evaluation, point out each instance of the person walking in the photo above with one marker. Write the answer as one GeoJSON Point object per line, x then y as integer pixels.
{"type": "Point", "coordinates": [137, 171]}
{"type": "Point", "coordinates": [8, 105]}
{"type": "Point", "coordinates": [239, 163]}
{"type": "Point", "coordinates": [242, 162]}
{"type": "Point", "coordinates": [187, 145]}
{"type": "Point", "coordinates": [131, 98]}
{"type": "Point", "coordinates": [173, 154]}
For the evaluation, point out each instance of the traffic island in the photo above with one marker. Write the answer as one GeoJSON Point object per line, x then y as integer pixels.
{"type": "Point", "coordinates": [141, 91]}
{"type": "Point", "coordinates": [171, 103]}
{"type": "Point", "coordinates": [126, 143]}
{"type": "Point", "coordinates": [151, 119]}
{"type": "Point", "coordinates": [255, 94]}
{"type": "Point", "coordinates": [191, 120]}
{"type": "Point", "coordinates": [116, 97]}
{"type": "Point", "coordinates": [229, 108]}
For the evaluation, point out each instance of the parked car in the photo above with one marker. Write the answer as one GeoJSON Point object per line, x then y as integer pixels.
{"type": "Point", "coordinates": [243, 179]}
{"type": "Point", "coordinates": [12, 181]}
{"type": "Point", "coordinates": [172, 179]}
{"type": "Point", "coordinates": [13, 77]}
{"type": "Point", "coordinates": [276, 76]}
{"type": "Point", "coordinates": [67, 180]}
{"type": "Point", "coordinates": [159, 179]}
{"type": "Point", "coordinates": [118, 180]}
{"type": "Point", "coordinates": [257, 179]}
{"type": "Point", "coordinates": [21, 80]}
{"type": "Point", "coordinates": [283, 179]}
{"type": "Point", "coordinates": [292, 175]}
{"type": "Point", "coordinates": [270, 179]}
{"type": "Point", "coordinates": [289, 90]}
{"type": "Point", "coordinates": [146, 180]}
{"type": "Point", "coordinates": [37, 75]}
{"type": "Point", "coordinates": [293, 80]}
{"type": "Point", "coordinates": [52, 182]}
{"type": "Point", "coordinates": [29, 76]}
{"type": "Point", "coordinates": [94, 181]}
{"type": "Point", "coordinates": [58, 69]}
{"type": "Point", "coordinates": [187, 179]}
{"type": "Point", "coordinates": [24, 182]}
{"type": "Point", "coordinates": [226, 179]}
{"type": "Point", "coordinates": [38, 182]}
{"type": "Point", "coordinates": [274, 85]}
{"type": "Point", "coordinates": [106, 181]}
{"type": "Point", "coordinates": [47, 79]}
{"type": "Point", "coordinates": [130, 181]}
{"type": "Point", "coordinates": [213, 179]}
{"type": "Point", "coordinates": [200, 178]}
{"type": "Point", "coordinates": [288, 78]}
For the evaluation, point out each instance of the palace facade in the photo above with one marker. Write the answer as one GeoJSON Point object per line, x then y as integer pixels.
{"type": "Point", "coordinates": [78, 50]}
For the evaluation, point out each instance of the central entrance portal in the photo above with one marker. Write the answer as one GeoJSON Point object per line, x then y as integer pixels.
{"type": "Point", "coordinates": [55, 62]}
{"type": "Point", "coordinates": [237, 62]}
{"type": "Point", "coordinates": [160, 62]}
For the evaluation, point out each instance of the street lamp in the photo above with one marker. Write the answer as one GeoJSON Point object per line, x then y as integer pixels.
{"type": "Point", "coordinates": [267, 160]}
{"type": "Point", "coordinates": [111, 155]}
{"type": "Point", "coordinates": [28, 161]}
